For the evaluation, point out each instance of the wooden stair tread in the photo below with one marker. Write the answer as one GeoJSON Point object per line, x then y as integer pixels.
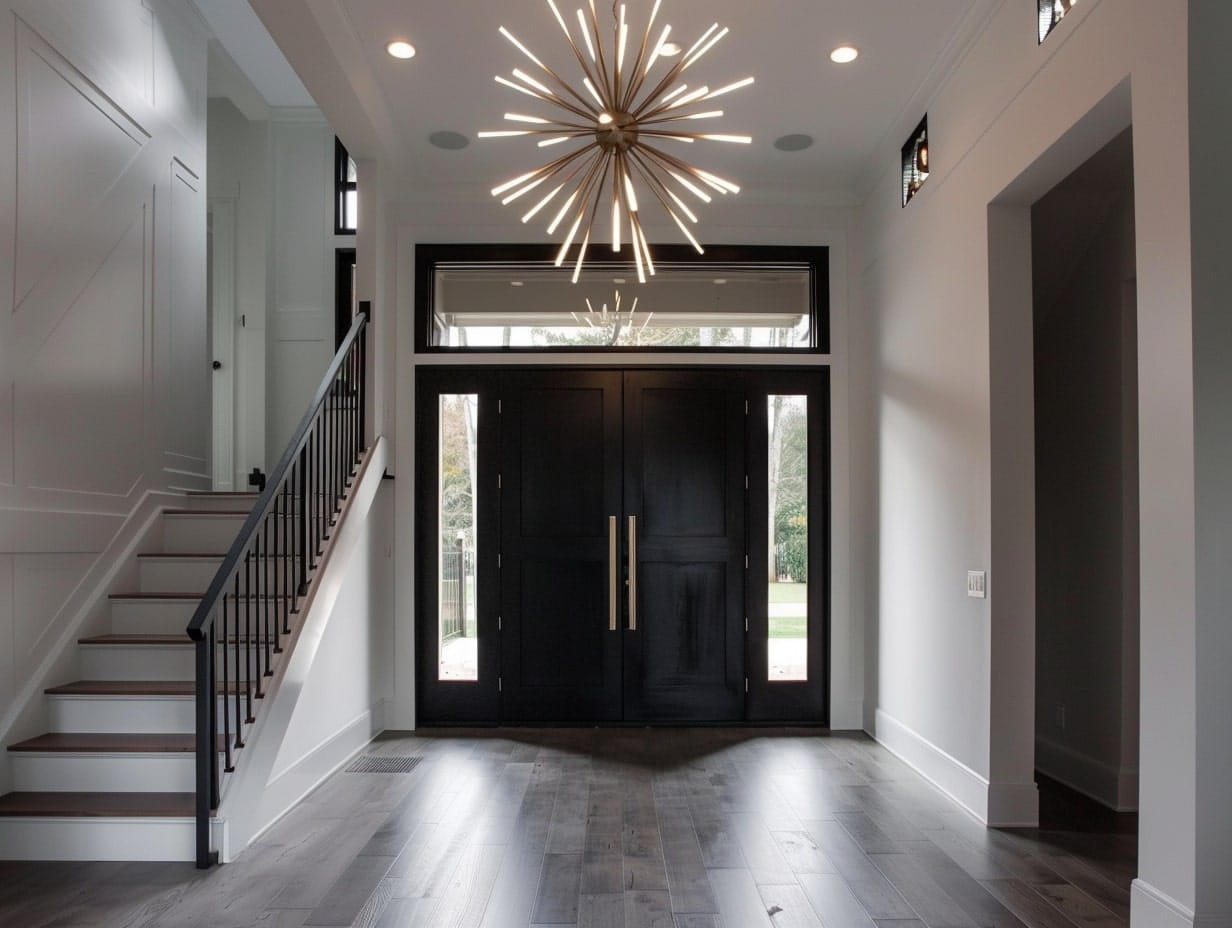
{"type": "Point", "coordinates": [221, 494]}
{"type": "Point", "coordinates": [153, 640]}
{"type": "Point", "coordinates": [98, 805]}
{"type": "Point", "coordinates": [176, 556]}
{"type": "Point", "coordinates": [108, 743]}
{"type": "Point", "coordinates": [207, 513]}
{"type": "Point", "coordinates": [175, 596]}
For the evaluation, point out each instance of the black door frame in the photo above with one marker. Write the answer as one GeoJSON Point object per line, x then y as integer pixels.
{"type": "Point", "coordinates": [478, 703]}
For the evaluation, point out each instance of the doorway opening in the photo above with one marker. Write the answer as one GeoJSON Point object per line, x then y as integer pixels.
{"type": "Point", "coordinates": [1086, 495]}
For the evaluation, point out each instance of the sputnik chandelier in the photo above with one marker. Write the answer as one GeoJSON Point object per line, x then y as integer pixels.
{"type": "Point", "coordinates": [618, 320]}
{"type": "Point", "coordinates": [621, 127]}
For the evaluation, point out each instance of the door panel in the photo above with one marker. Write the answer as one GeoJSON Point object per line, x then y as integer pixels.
{"type": "Point", "coordinates": [684, 484]}
{"type": "Point", "coordinates": [560, 466]}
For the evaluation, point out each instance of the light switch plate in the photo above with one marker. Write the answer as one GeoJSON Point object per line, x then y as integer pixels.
{"type": "Point", "coordinates": [976, 587]}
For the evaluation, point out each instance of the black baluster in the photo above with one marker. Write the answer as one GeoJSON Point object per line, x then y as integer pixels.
{"type": "Point", "coordinates": [226, 688]}
{"type": "Point", "coordinates": [239, 647]}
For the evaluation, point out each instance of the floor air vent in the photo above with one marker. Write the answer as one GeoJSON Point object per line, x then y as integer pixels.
{"type": "Point", "coordinates": [384, 763]}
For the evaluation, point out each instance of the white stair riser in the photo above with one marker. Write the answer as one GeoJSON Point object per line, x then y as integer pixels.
{"type": "Point", "coordinates": [143, 839]}
{"type": "Point", "coordinates": [194, 575]}
{"type": "Point", "coordinates": [219, 503]}
{"type": "Point", "coordinates": [141, 662]}
{"type": "Point", "coordinates": [199, 534]}
{"type": "Point", "coordinates": [103, 773]}
{"type": "Point", "coordinates": [135, 662]}
{"type": "Point", "coordinates": [129, 714]}
{"type": "Point", "coordinates": [151, 616]}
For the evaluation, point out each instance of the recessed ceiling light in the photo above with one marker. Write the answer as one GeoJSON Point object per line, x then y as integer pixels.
{"type": "Point", "coordinates": [618, 280]}
{"type": "Point", "coordinates": [670, 50]}
{"type": "Point", "coordinates": [400, 49]}
{"type": "Point", "coordinates": [844, 54]}
{"type": "Point", "coordinates": [795, 142]}
{"type": "Point", "coordinates": [720, 280]}
{"type": "Point", "coordinates": [515, 283]}
{"type": "Point", "coordinates": [450, 141]}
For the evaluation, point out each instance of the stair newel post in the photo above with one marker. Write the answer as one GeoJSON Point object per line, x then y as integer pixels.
{"type": "Point", "coordinates": [302, 522]}
{"type": "Point", "coordinates": [205, 777]}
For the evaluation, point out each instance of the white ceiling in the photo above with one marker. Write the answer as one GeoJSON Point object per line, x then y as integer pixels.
{"type": "Point", "coordinates": [855, 112]}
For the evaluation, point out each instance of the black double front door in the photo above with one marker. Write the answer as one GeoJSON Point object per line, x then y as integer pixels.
{"type": "Point", "coordinates": [622, 543]}
{"type": "Point", "coordinates": [596, 565]}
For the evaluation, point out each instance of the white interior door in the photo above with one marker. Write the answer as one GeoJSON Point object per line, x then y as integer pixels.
{"type": "Point", "coordinates": [222, 337]}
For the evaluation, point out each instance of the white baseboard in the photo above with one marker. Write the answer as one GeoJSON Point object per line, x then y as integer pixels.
{"type": "Point", "coordinates": [1150, 908]}
{"type": "Point", "coordinates": [954, 778]}
{"type": "Point", "coordinates": [1109, 785]}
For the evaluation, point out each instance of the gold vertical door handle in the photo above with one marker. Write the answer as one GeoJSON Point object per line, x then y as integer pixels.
{"type": "Point", "coordinates": [632, 573]}
{"type": "Point", "coordinates": [612, 579]}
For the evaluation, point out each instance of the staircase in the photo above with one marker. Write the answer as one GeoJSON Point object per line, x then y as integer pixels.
{"type": "Point", "coordinates": [113, 777]}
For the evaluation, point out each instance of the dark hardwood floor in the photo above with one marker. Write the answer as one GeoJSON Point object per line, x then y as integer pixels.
{"type": "Point", "coordinates": [619, 828]}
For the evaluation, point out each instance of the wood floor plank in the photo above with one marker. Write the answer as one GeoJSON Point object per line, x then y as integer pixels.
{"type": "Point", "coordinates": [878, 897]}
{"type": "Point", "coordinates": [788, 907]}
{"type": "Point", "coordinates": [648, 909]}
{"type": "Point", "coordinates": [974, 899]}
{"type": "Point", "coordinates": [602, 864]}
{"type": "Point", "coordinates": [833, 900]}
{"type": "Point", "coordinates": [1078, 907]}
{"type": "Point", "coordinates": [601, 910]}
{"type": "Point", "coordinates": [739, 901]}
{"type": "Point", "coordinates": [802, 853]}
{"type": "Point", "coordinates": [687, 881]}
{"type": "Point", "coordinates": [559, 888]}
{"type": "Point", "coordinates": [933, 905]}
{"type": "Point", "coordinates": [764, 860]}
{"type": "Point", "coordinates": [1032, 909]}
{"type": "Point", "coordinates": [344, 900]}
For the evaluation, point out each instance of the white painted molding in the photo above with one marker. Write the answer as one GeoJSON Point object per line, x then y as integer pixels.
{"type": "Point", "coordinates": [1109, 785]}
{"type": "Point", "coordinates": [251, 799]}
{"type": "Point", "coordinates": [1013, 805]}
{"type": "Point", "coordinates": [88, 603]}
{"type": "Point", "coordinates": [950, 775]}
{"type": "Point", "coordinates": [1150, 908]}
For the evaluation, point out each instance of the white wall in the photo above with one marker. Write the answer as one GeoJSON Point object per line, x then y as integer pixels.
{"type": "Point", "coordinates": [1210, 126]}
{"type": "Point", "coordinates": [950, 678]}
{"type": "Point", "coordinates": [104, 372]}
{"type": "Point", "coordinates": [1086, 456]}
{"type": "Point", "coordinates": [748, 222]}
{"type": "Point", "coordinates": [300, 323]}
{"type": "Point", "coordinates": [239, 169]}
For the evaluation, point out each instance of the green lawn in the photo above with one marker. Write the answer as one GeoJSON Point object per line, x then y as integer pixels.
{"type": "Point", "coordinates": [788, 592]}
{"type": "Point", "coordinates": [794, 626]}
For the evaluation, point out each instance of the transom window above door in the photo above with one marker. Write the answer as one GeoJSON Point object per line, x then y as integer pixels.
{"type": "Point", "coordinates": [513, 298]}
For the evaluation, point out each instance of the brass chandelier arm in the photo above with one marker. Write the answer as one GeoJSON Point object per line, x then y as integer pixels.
{"type": "Point", "coordinates": [659, 188]}
{"type": "Point", "coordinates": [704, 176]}
{"type": "Point", "coordinates": [636, 81]}
{"type": "Point", "coordinates": [610, 94]}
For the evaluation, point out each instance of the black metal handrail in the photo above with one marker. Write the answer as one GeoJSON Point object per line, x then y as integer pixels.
{"type": "Point", "coordinates": [246, 612]}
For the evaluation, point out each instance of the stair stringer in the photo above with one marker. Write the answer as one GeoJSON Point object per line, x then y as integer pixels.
{"type": "Point", "coordinates": [273, 774]}
{"type": "Point", "coordinates": [88, 610]}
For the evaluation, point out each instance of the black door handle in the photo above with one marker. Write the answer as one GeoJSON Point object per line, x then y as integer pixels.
{"type": "Point", "coordinates": [217, 365]}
